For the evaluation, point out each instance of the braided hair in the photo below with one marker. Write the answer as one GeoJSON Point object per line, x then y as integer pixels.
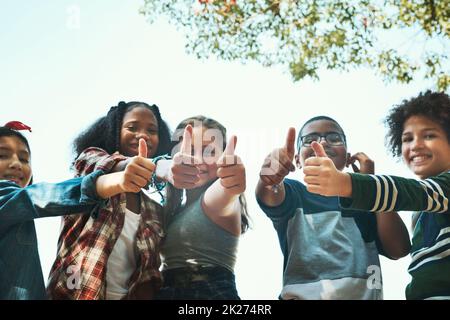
{"type": "Point", "coordinates": [105, 132]}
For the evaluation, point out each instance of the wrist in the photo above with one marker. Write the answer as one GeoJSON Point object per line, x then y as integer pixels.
{"type": "Point", "coordinates": [345, 185]}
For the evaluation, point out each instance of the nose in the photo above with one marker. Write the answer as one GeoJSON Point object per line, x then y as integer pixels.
{"type": "Point", "coordinates": [143, 134]}
{"type": "Point", "coordinates": [323, 140]}
{"type": "Point", "coordinates": [417, 143]}
{"type": "Point", "coordinates": [15, 163]}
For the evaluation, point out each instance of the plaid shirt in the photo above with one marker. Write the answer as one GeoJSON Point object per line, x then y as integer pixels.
{"type": "Point", "coordinates": [85, 243]}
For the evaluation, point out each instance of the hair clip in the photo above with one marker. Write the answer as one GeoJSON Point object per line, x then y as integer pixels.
{"type": "Point", "coordinates": [17, 125]}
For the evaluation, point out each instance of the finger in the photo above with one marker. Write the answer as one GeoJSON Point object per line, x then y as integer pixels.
{"type": "Point", "coordinates": [228, 157]}
{"type": "Point", "coordinates": [355, 168]}
{"type": "Point", "coordinates": [229, 160]}
{"type": "Point", "coordinates": [186, 178]}
{"type": "Point", "coordinates": [314, 188]}
{"type": "Point", "coordinates": [231, 182]}
{"type": "Point", "coordinates": [290, 142]}
{"type": "Point", "coordinates": [137, 180]}
{"type": "Point", "coordinates": [184, 169]}
{"type": "Point", "coordinates": [186, 144]}
{"type": "Point", "coordinates": [311, 170]}
{"type": "Point", "coordinates": [229, 171]}
{"type": "Point", "coordinates": [318, 149]}
{"type": "Point", "coordinates": [313, 161]}
{"type": "Point", "coordinates": [270, 180]}
{"type": "Point", "coordinates": [142, 148]}
{"type": "Point", "coordinates": [311, 180]}
{"type": "Point", "coordinates": [231, 146]}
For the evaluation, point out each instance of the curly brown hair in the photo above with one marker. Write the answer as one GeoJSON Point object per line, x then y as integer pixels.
{"type": "Point", "coordinates": [433, 105]}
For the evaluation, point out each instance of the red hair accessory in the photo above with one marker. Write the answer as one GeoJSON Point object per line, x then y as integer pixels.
{"type": "Point", "coordinates": [17, 125]}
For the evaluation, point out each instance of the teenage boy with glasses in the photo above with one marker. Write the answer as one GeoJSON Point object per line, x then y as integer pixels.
{"type": "Point", "coordinates": [329, 253]}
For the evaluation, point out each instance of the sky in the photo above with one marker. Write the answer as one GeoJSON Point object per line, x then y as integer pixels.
{"type": "Point", "coordinates": [65, 63]}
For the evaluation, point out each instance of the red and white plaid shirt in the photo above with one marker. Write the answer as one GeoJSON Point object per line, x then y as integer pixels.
{"type": "Point", "coordinates": [85, 243]}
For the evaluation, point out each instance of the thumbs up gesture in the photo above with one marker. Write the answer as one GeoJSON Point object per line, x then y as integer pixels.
{"type": "Point", "coordinates": [230, 170]}
{"type": "Point", "coordinates": [138, 171]}
{"type": "Point", "coordinates": [322, 177]}
{"type": "Point", "coordinates": [184, 173]}
{"type": "Point", "coordinates": [279, 162]}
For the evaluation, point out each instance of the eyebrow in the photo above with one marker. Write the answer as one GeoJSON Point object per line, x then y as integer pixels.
{"type": "Point", "coordinates": [24, 151]}
{"type": "Point", "coordinates": [315, 132]}
{"type": "Point", "coordinates": [154, 124]}
{"type": "Point", "coordinates": [424, 129]}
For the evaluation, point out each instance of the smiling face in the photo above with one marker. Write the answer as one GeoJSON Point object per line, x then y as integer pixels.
{"type": "Point", "coordinates": [425, 147]}
{"type": "Point", "coordinates": [338, 154]}
{"type": "Point", "coordinates": [14, 161]}
{"type": "Point", "coordinates": [138, 123]}
{"type": "Point", "coordinates": [211, 142]}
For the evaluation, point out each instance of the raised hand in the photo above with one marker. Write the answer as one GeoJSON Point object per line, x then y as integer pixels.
{"type": "Point", "coordinates": [279, 162]}
{"type": "Point", "coordinates": [366, 165]}
{"type": "Point", "coordinates": [138, 171]}
{"type": "Point", "coordinates": [183, 173]}
{"type": "Point", "coordinates": [230, 170]}
{"type": "Point", "coordinates": [322, 177]}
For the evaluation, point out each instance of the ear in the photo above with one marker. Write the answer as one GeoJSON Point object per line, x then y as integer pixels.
{"type": "Point", "coordinates": [297, 161]}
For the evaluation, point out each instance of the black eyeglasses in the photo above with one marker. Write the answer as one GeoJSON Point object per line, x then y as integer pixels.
{"type": "Point", "coordinates": [332, 138]}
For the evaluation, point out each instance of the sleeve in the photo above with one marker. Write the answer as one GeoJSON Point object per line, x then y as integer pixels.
{"type": "Point", "coordinates": [287, 208]}
{"type": "Point", "coordinates": [93, 159]}
{"type": "Point", "coordinates": [383, 193]}
{"type": "Point", "coordinates": [47, 199]}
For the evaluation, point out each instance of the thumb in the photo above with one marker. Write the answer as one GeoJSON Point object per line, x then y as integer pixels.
{"type": "Point", "coordinates": [290, 142]}
{"type": "Point", "coordinates": [318, 149]}
{"type": "Point", "coordinates": [187, 140]}
{"type": "Point", "coordinates": [231, 146]}
{"type": "Point", "coordinates": [142, 148]}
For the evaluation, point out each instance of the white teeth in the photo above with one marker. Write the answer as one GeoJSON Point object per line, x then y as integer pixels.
{"type": "Point", "coordinates": [419, 158]}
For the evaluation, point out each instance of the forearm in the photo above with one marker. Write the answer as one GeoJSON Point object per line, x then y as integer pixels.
{"type": "Point", "coordinates": [93, 159]}
{"type": "Point", "coordinates": [381, 193]}
{"type": "Point", "coordinates": [220, 202]}
{"type": "Point", "coordinates": [271, 196]}
{"type": "Point", "coordinates": [108, 185]}
{"type": "Point", "coordinates": [47, 199]}
{"type": "Point", "coordinates": [120, 165]}
{"type": "Point", "coordinates": [393, 234]}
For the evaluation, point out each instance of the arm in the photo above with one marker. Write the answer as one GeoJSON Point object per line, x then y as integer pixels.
{"type": "Point", "coordinates": [270, 188]}
{"type": "Point", "coordinates": [47, 199]}
{"type": "Point", "coordinates": [221, 199]}
{"type": "Point", "coordinates": [380, 193]}
{"type": "Point", "coordinates": [376, 193]}
{"type": "Point", "coordinates": [135, 176]}
{"type": "Point", "coordinates": [393, 234]}
{"type": "Point", "coordinates": [391, 230]}
{"type": "Point", "coordinates": [93, 159]}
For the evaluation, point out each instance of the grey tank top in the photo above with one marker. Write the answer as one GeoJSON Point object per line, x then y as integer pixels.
{"type": "Point", "coordinates": [192, 239]}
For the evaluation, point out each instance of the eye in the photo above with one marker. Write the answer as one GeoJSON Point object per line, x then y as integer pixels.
{"type": "Point", "coordinates": [334, 138]}
{"type": "Point", "coordinates": [406, 139]}
{"type": "Point", "coordinates": [307, 140]}
{"type": "Point", "coordinates": [131, 128]}
{"type": "Point", "coordinates": [24, 160]}
{"type": "Point", "coordinates": [152, 131]}
{"type": "Point", "coordinates": [430, 136]}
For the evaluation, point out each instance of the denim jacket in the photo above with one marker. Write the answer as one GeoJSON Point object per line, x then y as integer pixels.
{"type": "Point", "coordinates": [21, 275]}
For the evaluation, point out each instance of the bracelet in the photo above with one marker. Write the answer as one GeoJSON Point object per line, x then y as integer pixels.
{"type": "Point", "coordinates": [159, 186]}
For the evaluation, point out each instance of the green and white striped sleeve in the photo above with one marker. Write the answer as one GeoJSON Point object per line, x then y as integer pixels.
{"type": "Point", "coordinates": [383, 193]}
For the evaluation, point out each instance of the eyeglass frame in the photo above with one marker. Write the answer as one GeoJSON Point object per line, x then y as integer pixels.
{"type": "Point", "coordinates": [342, 135]}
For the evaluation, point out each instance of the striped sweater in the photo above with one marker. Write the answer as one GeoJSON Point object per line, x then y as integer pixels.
{"type": "Point", "coordinates": [430, 252]}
